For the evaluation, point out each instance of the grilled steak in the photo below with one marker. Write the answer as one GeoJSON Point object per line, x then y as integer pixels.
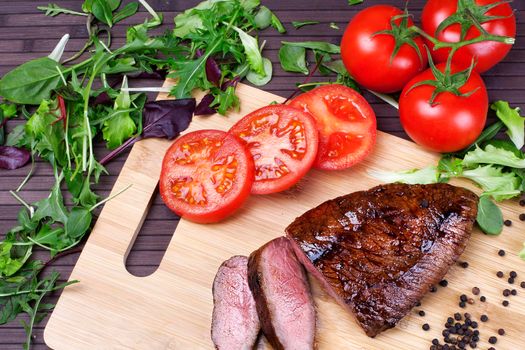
{"type": "Point", "coordinates": [235, 325]}
{"type": "Point", "coordinates": [282, 295]}
{"type": "Point", "coordinates": [379, 251]}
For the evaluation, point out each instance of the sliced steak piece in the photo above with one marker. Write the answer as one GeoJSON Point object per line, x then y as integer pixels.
{"type": "Point", "coordinates": [379, 251]}
{"type": "Point", "coordinates": [235, 324]}
{"type": "Point", "coordinates": [282, 294]}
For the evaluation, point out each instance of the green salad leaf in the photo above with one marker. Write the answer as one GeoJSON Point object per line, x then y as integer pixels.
{"type": "Point", "coordinates": [423, 176]}
{"type": "Point", "coordinates": [495, 182]}
{"type": "Point", "coordinates": [512, 119]}
{"type": "Point", "coordinates": [494, 155]}
{"type": "Point", "coordinates": [293, 59]}
{"type": "Point", "coordinates": [490, 217]}
{"type": "Point", "coordinates": [31, 82]}
{"type": "Point", "coordinates": [315, 45]}
{"type": "Point", "coordinates": [300, 24]}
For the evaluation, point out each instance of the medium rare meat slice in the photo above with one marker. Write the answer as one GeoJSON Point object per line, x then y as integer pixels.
{"type": "Point", "coordinates": [282, 294]}
{"type": "Point", "coordinates": [379, 251]}
{"type": "Point", "coordinates": [235, 324]}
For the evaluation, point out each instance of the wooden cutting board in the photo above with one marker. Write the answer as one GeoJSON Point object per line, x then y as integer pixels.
{"type": "Point", "coordinates": [171, 309]}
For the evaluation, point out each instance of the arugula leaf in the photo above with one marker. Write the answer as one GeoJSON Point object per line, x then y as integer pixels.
{"type": "Point", "coordinates": [354, 2]}
{"type": "Point", "coordinates": [225, 100]}
{"type": "Point", "coordinates": [187, 74]}
{"type": "Point", "coordinates": [258, 79]}
{"type": "Point", "coordinates": [493, 155]}
{"type": "Point", "coordinates": [127, 11]}
{"type": "Point", "coordinates": [52, 206]}
{"type": "Point", "coordinates": [31, 82]}
{"type": "Point", "coordinates": [276, 23]}
{"type": "Point", "coordinates": [512, 120]}
{"type": "Point", "coordinates": [293, 59]}
{"type": "Point", "coordinates": [316, 45]}
{"type": "Point", "coordinates": [423, 176]}
{"type": "Point", "coordinates": [53, 10]}
{"type": "Point", "coordinates": [490, 217]}
{"type": "Point", "coordinates": [299, 24]}
{"type": "Point", "coordinates": [251, 49]}
{"type": "Point", "coordinates": [78, 222]}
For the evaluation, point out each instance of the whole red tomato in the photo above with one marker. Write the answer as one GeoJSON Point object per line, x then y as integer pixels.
{"type": "Point", "coordinates": [451, 122]}
{"type": "Point", "coordinates": [487, 53]}
{"type": "Point", "coordinates": [370, 57]}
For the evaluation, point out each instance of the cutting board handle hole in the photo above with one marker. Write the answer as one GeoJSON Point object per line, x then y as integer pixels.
{"type": "Point", "coordinates": [152, 239]}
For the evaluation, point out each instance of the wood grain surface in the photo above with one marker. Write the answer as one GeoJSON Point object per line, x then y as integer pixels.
{"type": "Point", "coordinates": [26, 34]}
{"type": "Point", "coordinates": [171, 309]}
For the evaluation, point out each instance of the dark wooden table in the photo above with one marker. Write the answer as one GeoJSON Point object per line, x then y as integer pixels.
{"type": "Point", "coordinates": [25, 33]}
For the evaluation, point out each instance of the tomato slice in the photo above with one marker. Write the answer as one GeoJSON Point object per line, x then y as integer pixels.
{"type": "Point", "coordinates": [206, 176]}
{"type": "Point", "coordinates": [283, 143]}
{"type": "Point", "coordinates": [346, 122]}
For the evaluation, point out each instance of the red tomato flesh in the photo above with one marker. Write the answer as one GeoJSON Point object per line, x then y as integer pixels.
{"type": "Point", "coordinates": [283, 143]}
{"type": "Point", "coordinates": [206, 176]}
{"type": "Point", "coordinates": [453, 122]}
{"type": "Point", "coordinates": [346, 123]}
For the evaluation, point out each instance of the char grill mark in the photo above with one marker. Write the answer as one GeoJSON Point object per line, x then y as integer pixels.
{"type": "Point", "coordinates": [379, 251]}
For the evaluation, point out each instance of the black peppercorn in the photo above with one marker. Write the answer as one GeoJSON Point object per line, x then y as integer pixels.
{"type": "Point", "coordinates": [501, 252]}
{"type": "Point", "coordinates": [462, 304]}
{"type": "Point", "coordinates": [484, 318]}
{"type": "Point", "coordinates": [505, 303]}
{"type": "Point", "coordinates": [426, 327]}
{"type": "Point", "coordinates": [522, 217]}
{"type": "Point", "coordinates": [499, 274]}
{"type": "Point", "coordinates": [464, 264]}
{"type": "Point", "coordinates": [443, 283]}
{"type": "Point", "coordinates": [513, 274]}
{"type": "Point", "coordinates": [482, 299]}
{"type": "Point", "coordinates": [501, 331]}
{"type": "Point", "coordinates": [421, 313]}
{"type": "Point", "coordinates": [457, 316]}
{"type": "Point", "coordinates": [507, 223]}
{"type": "Point", "coordinates": [506, 292]}
{"type": "Point", "coordinates": [463, 298]}
{"type": "Point", "coordinates": [475, 291]}
{"type": "Point", "coordinates": [514, 292]}
{"type": "Point", "coordinates": [522, 284]}
{"type": "Point", "coordinates": [493, 340]}
{"type": "Point", "coordinates": [510, 280]}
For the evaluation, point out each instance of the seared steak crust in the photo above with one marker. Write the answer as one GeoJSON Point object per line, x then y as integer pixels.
{"type": "Point", "coordinates": [282, 294]}
{"type": "Point", "coordinates": [379, 251]}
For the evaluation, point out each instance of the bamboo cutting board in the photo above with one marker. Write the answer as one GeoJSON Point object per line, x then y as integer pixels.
{"type": "Point", "coordinates": [171, 309]}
